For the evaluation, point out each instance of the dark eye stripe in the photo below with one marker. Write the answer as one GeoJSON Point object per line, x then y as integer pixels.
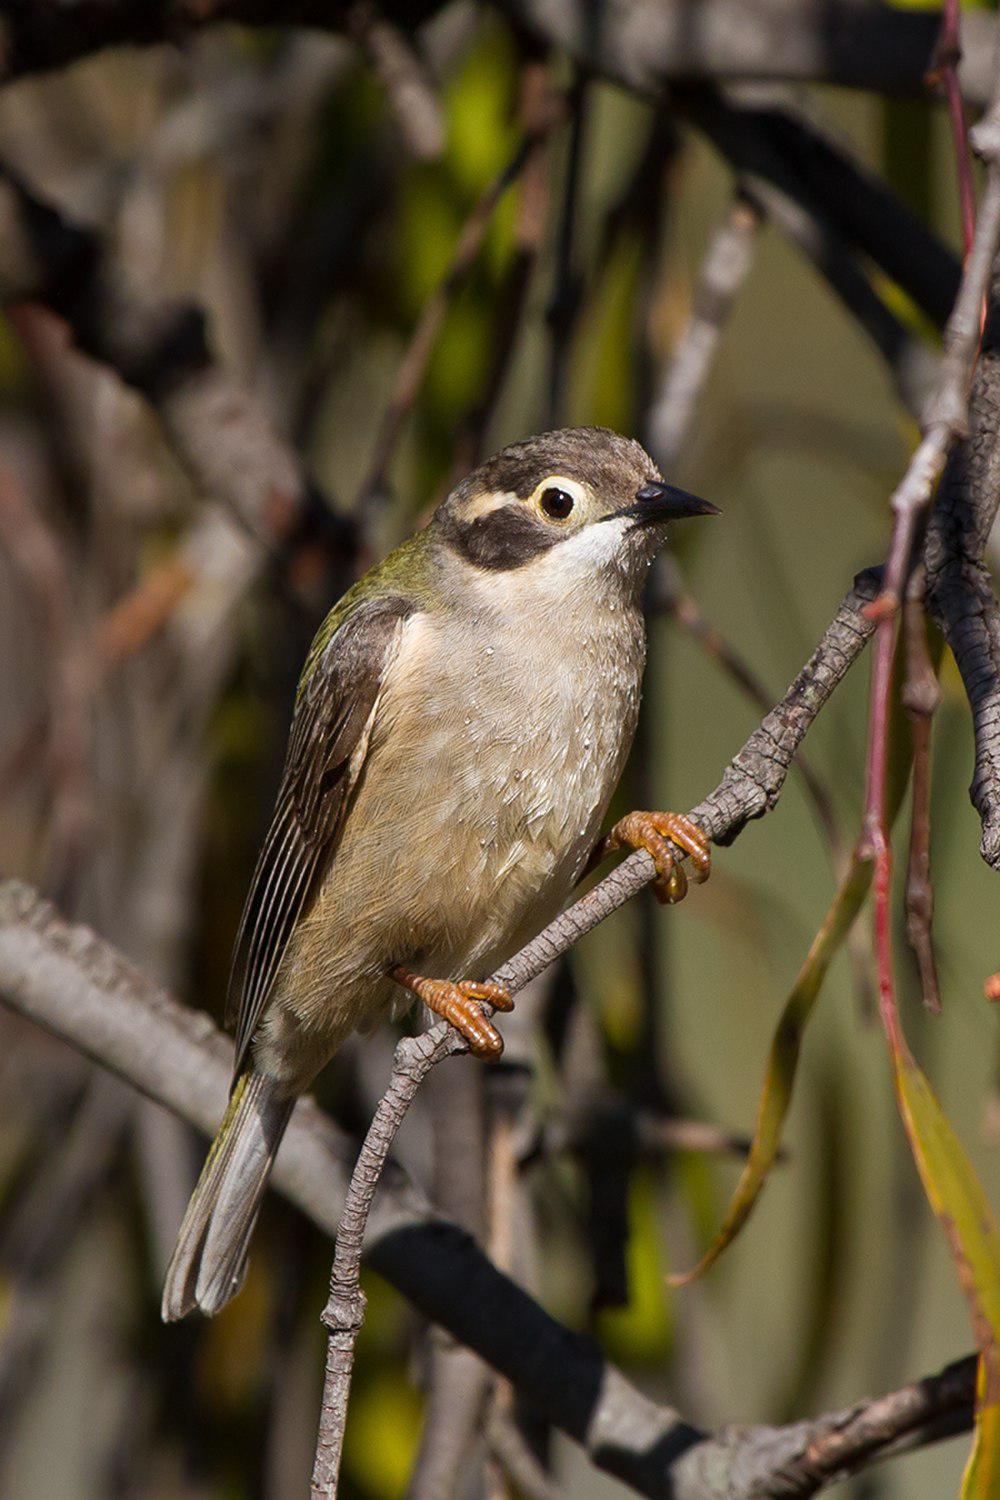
{"type": "Point", "coordinates": [505, 538]}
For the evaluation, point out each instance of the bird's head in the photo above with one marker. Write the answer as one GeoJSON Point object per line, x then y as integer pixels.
{"type": "Point", "coordinates": [568, 507]}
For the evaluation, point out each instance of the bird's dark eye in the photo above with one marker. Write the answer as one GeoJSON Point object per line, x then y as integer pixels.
{"type": "Point", "coordinates": [557, 503]}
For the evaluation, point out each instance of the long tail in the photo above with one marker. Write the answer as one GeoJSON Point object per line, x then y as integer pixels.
{"type": "Point", "coordinates": [209, 1259]}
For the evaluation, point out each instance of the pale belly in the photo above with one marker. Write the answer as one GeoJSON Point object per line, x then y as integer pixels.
{"type": "Point", "coordinates": [483, 794]}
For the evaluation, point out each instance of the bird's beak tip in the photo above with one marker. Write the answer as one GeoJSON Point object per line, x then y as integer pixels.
{"type": "Point", "coordinates": [673, 503]}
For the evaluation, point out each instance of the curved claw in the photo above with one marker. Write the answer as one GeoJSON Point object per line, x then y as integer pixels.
{"type": "Point", "coordinates": [656, 832]}
{"type": "Point", "coordinates": [457, 1001]}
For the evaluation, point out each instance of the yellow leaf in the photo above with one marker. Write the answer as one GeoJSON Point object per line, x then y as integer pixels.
{"type": "Point", "coordinates": [957, 1197]}
{"type": "Point", "coordinates": [982, 1472]}
{"type": "Point", "coordinates": [783, 1059]}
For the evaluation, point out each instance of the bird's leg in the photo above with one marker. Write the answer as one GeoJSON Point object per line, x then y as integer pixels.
{"type": "Point", "coordinates": [655, 832]}
{"type": "Point", "coordinates": [456, 1001]}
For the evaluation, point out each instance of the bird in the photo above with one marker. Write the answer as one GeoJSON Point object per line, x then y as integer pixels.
{"type": "Point", "coordinates": [461, 723]}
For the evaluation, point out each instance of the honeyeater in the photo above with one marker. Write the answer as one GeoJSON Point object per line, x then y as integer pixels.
{"type": "Point", "coordinates": [461, 723]}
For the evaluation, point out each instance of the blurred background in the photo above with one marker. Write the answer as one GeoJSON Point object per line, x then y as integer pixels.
{"type": "Point", "coordinates": [150, 647]}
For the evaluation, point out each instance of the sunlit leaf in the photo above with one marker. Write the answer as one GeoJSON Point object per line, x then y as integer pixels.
{"type": "Point", "coordinates": [643, 1329]}
{"type": "Point", "coordinates": [382, 1435]}
{"type": "Point", "coordinates": [982, 1472]}
{"type": "Point", "coordinates": [479, 102]}
{"type": "Point", "coordinates": [957, 1197]}
{"type": "Point", "coordinates": [783, 1059]}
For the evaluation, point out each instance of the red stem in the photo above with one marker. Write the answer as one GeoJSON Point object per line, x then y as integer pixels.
{"type": "Point", "coordinates": [875, 836]}
{"type": "Point", "coordinates": [947, 55]}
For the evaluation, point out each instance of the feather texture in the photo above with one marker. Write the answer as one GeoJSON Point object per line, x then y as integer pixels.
{"type": "Point", "coordinates": [326, 750]}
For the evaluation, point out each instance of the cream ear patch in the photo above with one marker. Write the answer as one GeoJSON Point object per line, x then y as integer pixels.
{"type": "Point", "coordinates": [485, 504]}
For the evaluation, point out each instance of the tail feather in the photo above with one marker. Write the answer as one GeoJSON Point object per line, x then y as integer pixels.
{"type": "Point", "coordinates": [209, 1260]}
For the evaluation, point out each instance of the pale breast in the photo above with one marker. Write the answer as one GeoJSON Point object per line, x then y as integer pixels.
{"type": "Point", "coordinates": [487, 779]}
{"type": "Point", "coordinates": [513, 754]}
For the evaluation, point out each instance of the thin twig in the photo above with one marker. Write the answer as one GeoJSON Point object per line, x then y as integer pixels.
{"type": "Point", "coordinates": [885, 1424]}
{"type": "Point", "coordinates": [410, 374]}
{"type": "Point", "coordinates": [37, 551]}
{"type": "Point", "coordinates": [721, 276]}
{"type": "Point", "coordinates": [564, 303]}
{"type": "Point", "coordinates": [403, 74]}
{"type": "Point", "coordinates": [64, 978]}
{"type": "Point", "coordinates": [517, 1460]}
{"type": "Point", "coordinates": [921, 696]}
{"type": "Point", "coordinates": [751, 786]}
{"type": "Point", "coordinates": [123, 630]}
{"type": "Point", "coordinates": [538, 101]}
{"type": "Point", "coordinates": [944, 70]}
{"type": "Point", "coordinates": [946, 423]}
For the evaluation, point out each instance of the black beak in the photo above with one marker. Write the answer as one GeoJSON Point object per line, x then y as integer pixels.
{"type": "Point", "coordinates": [659, 501]}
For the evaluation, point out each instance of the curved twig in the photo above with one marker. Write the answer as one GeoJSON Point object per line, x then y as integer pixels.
{"type": "Point", "coordinates": [750, 787]}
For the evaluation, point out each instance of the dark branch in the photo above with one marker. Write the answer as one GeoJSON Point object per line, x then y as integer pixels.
{"type": "Point", "coordinates": [646, 44]}
{"type": "Point", "coordinates": [777, 147]}
{"type": "Point", "coordinates": [68, 981]}
{"type": "Point", "coordinates": [642, 43]}
{"type": "Point", "coordinates": [959, 590]}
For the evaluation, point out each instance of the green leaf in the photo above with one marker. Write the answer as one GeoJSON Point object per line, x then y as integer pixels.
{"type": "Point", "coordinates": [957, 1197]}
{"type": "Point", "coordinates": [982, 1472]}
{"type": "Point", "coordinates": [776, 1094]}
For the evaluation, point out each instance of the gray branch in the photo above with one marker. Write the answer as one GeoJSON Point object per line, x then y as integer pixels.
{"type": "Point", "coordinates": [643, 43]}
{"type": "Point", "coordinates": [723, 271]}
{"type": "Point", "coordinates": [959, 589]}
{"type": "Point", "coordinates": [68, 981]}
{"type": "Point", "coordinates": [161, 348]}
{"type": "Point", "coordinates": [750, 787]}
{"type": "Point", "coordinates": [79, 988]}
{"type": "Point", "coordinates": [799, 169]}
{"type": "Point", "coordinates": [647, 44]}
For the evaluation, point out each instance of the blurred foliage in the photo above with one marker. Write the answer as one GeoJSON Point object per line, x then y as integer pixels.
{"type": "Point", "coordinates": [314, 242]}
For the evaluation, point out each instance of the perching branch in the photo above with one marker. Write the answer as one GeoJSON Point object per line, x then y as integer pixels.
{"type": "Point", "coordinates": [66, 980]}
{"type": "Point", "coordinates": [750, 787]}
{"type": "Point", "coordinates": [79, 988]}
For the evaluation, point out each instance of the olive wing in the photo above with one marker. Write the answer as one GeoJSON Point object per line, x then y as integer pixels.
{"type": "Point", "coordinates": [334, 713]}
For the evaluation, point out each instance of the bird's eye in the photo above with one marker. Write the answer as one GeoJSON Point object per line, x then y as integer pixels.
{"type": "Point", "coordinates": [557, 503]}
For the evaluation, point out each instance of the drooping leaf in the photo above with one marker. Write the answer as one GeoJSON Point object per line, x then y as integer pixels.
{"type": "Point", "coordinates": [783, 1060]}
{"type": "Point", "coordinates": [982, 1472]}
{"type": "Point", "coordinates": [957, 1198]}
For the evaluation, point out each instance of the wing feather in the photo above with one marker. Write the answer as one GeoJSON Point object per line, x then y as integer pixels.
{"type": "Point", "coordinates": [327, 744]}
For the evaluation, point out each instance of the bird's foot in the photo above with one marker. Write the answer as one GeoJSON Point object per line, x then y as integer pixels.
{"type": "Point", "coordinates": [655, 832]}
{"type": "Point", "coordinates": [456, 1001]}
